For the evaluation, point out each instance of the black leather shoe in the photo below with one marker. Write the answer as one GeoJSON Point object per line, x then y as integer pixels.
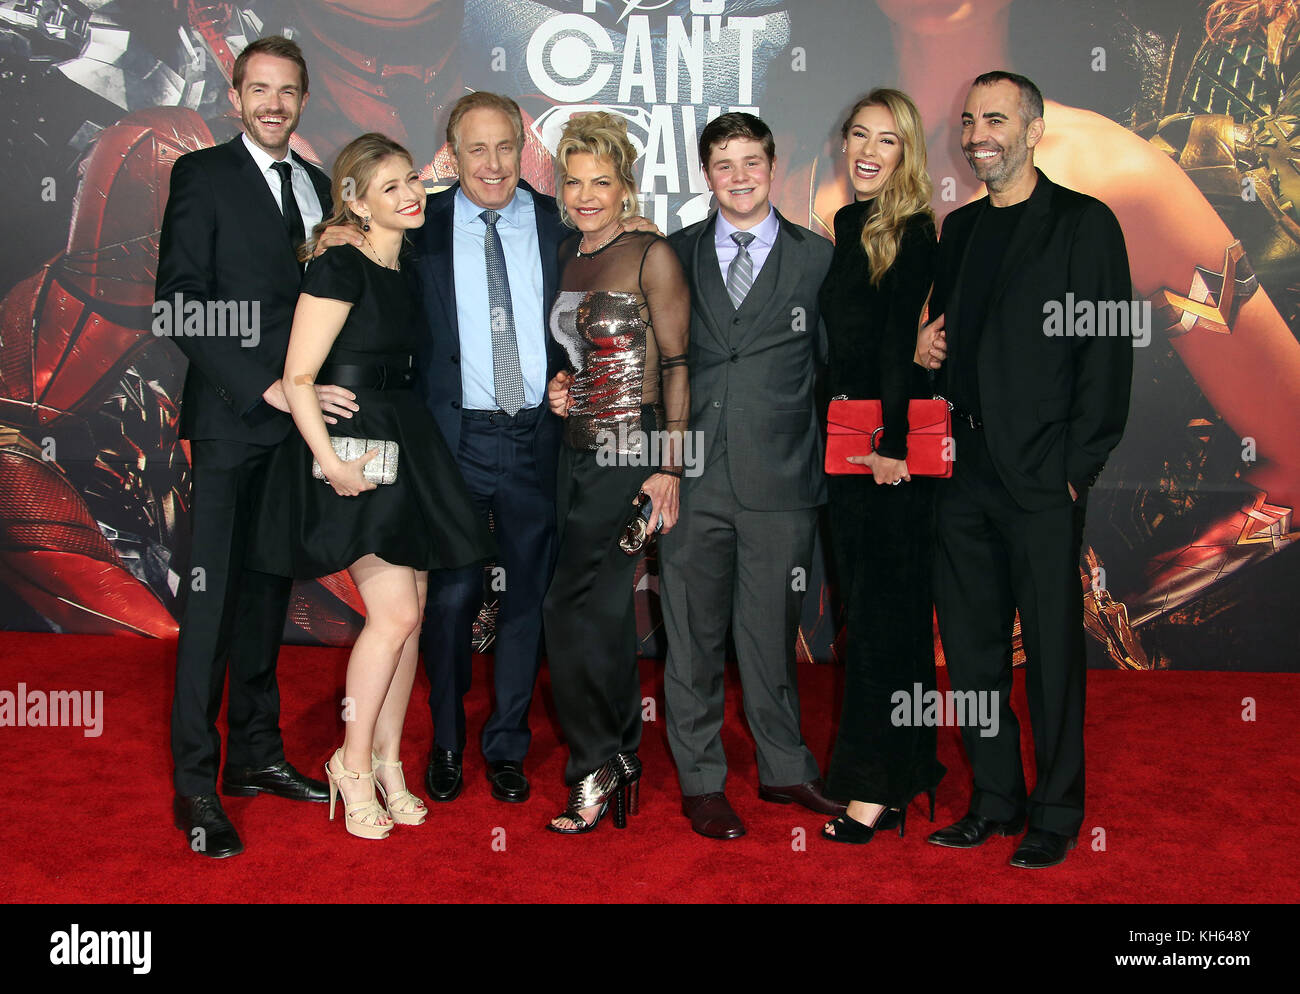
{"type": "Point", "coordinates": [282, 780]}
{"type": "Point", "coordinates": [1040, 848]}
{"type": "Point", "coordinates": [442, 777]}
{"type": "Point", "coordinates": [208, 831]}
{"type": "Point", "coordinates": [972, 831]}
{"type": "Point", "coordinates": [508, 781]}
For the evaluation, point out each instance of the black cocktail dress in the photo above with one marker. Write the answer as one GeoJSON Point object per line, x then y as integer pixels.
{"type": "Point", "coordinates": [426, 518]}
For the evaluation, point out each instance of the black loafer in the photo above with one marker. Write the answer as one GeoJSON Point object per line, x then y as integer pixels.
{"type": "Point", "coordinates": [972, 831]}
{"type": "Point", "coordinates": [508, 781]}
{"type": "Point", "coordinates": [208, 831]}
{"type": "Point", "coordinates": [442, 777]}
{"type": "Point", "coordinates": [1040, 848]}
{"type": "Point", "coordinates": [282, 780]}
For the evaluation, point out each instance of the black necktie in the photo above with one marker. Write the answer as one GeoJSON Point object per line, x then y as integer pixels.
{"type": "Point", "coordinates": [289, 205]}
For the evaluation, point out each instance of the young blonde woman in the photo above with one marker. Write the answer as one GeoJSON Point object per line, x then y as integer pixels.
{"type": "Point", "coordinates": [881, 525]}
{"type": "Point", "coordinates": [357, 326]}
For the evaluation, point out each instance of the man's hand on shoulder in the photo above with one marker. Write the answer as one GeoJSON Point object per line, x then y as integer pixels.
{"type": "Point", "coordinates": [638, 223]}
{"type": "Point", "coordinates": [338, 234]}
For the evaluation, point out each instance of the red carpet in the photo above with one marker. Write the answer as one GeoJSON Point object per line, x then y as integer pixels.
{"type": "Point", "coordinates": [1190, 802]}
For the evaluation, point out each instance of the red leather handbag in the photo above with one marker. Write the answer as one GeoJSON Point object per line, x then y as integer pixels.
{"type": "Point", "coordinates": [854, 426]}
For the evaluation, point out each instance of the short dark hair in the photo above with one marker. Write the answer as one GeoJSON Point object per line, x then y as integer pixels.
{"type": "Point", "coordinates": [1031, 97]}
{"type": "Point", "coordinates": [277, 45]}
{"type": "Point", "coordinates": [737, 124]}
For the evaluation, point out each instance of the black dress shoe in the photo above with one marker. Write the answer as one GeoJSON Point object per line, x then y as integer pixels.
{"type": "Point", "coordinates": [442, 777]}
{"type": "Point", "coordinates": [508, 781]}
{"type": "Point", "coordinates": [972, 831]}
{"type": "Point", "coordinates": [207, 829]}
{"type": "Point", "coordinates": [1040, 848]}
{"type": "Point", "coordinates": [282, 780]}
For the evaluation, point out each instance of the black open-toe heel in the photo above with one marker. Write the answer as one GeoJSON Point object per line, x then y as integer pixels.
{"type": "Point", "coordinates": [597, 788]}
{"type": "Point", "coordinates": [851, 830]}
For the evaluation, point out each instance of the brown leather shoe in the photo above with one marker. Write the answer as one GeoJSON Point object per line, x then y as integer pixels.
{"type": "Point", "coordinates": [808, 794]}
{"type": "Point", "coordinates": [712, 817]}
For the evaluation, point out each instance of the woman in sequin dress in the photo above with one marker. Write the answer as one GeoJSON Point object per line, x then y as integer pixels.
{"type": "Point", "coordinates": [622, 315]}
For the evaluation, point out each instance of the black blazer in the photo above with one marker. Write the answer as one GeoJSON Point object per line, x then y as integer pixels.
{"type": "Point", "coordinates": [435, 279]}
{"type": "Point", "coordinates": [753, 371]}
{"type": "Point", "coordinates": [223, 239]}
{"type": "Point", "coordinates": [1053, 407]}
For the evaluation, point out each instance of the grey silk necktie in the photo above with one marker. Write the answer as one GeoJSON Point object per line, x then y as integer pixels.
{"type": "Point", "coordinates": [740, 274]}
{"type": "Point", "coordinates": [501, 316]}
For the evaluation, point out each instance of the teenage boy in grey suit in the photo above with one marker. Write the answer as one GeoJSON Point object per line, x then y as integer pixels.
{"type": "Point", "coordinates": [744, 540]}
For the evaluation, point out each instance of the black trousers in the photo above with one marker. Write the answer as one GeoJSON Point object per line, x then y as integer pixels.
{"type": "Point", "coordinates": [992, 558]}
{"type": "Point", "coordinates": [233, 617]}
{"type": "Point", "coordinates": [499, 464]}
{"type": "Point", "coordinates": [883, 539]}
{"type": "Point", "coordinates": [591, 615]}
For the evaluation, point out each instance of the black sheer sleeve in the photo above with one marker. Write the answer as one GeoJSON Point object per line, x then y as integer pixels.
{"type": "Point", "coordinates": [668, 298]}
{"type": "Point", "coordinates": [906, 284]}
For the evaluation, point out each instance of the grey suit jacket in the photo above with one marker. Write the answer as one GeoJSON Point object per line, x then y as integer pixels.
{"type": "Point", "coordinates": [753, 369]}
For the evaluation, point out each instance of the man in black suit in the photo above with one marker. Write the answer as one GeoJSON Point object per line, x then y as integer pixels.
{"type": "Point", "coordinates": [745, 535]}
{"type": "Point", "coordinates": [1039, 402]}
{"type": "Point", "coordinates": [484, 371]}
{"type": "Point", "coordinates": [227, 285]}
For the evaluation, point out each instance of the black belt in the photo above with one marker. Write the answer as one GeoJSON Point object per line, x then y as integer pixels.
{"type": "Point", "coordinates": [374, 376]}
{"type": "Point", "coordinates": [526, 416]}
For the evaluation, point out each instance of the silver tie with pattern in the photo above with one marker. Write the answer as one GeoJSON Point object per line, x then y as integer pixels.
{"type": "Point", "coordinates": [740, 274]}
{"type": "Point", "coordinates": [501, 316]}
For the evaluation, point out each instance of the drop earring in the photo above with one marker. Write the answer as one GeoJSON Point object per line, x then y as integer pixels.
{"type": "Point", "coordinates": [365, 224]}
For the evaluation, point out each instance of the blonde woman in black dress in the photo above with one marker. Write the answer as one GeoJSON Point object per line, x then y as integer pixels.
{"type": "Point", "coordinates": [882, 525]}
{"type": "Point", "coordinates": [356, 326]}
{"type": "Point", "coordinates": [622, 315]}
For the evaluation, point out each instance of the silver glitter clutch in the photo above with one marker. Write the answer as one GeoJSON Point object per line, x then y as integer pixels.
{"type": "Point", "coordinates": [380, 470]}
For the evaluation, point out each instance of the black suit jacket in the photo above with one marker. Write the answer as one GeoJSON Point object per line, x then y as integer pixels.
{"type": "Point", "coordinates": [223, 239]}
{"type": "Point", "coordinates": [753, 370]}
{"type": "Point", "coordinates": [1053, 406]}
{"type": "Point", "coordinates": [435, 278]}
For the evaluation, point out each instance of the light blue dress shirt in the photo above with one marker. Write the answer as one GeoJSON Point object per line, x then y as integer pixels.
{"type": "Point", "coordinates": [517, 228]}
{"type": "Point", "coordinates": [764, 233]}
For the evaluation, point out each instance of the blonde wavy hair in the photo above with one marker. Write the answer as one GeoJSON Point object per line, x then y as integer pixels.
{"type": "Point", "coordinates": [908, 189]}
{"type": "Point", "coordinates": [353, 170]}
{"type": "Point", "coordinates": [603, 135]}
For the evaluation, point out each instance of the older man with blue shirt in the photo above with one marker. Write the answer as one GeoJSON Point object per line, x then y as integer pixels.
{"type": "Point", "coordinates": [486, 270]}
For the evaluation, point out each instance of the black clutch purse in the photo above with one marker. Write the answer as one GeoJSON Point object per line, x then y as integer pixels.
{"type": "Point", "coordinates": [636, 530]}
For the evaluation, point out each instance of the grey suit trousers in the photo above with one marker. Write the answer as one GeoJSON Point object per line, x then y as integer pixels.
{"type": "Point", "coordinates": [720, 565]}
